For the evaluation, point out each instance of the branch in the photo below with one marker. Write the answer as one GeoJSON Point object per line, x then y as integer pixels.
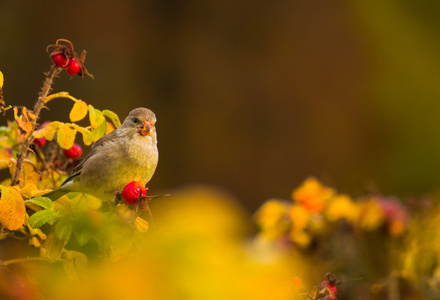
{"type": "Point", "coordinates": [47, 86]}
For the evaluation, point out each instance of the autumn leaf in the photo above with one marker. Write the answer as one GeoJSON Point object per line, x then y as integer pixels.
{"type": "Point", "coordinates": [140, 224]}
{"type": "Point", "coordinates": [86, 134]}
{"type": "Point", "coordinates": [66, 136]}
{"type": "Point", "coordinates": [96, 117]}
{"type": "Point", "coordinates": [29, 173]}
{"type": "Point", "coordinates": [79, 111]}
{"type": "Point", "coordinates": [25, 125]}
{"type": "Point", "coordinates": [4, 163]}
{"type": "Point", "coordinates": [110, 128]}
{"type": "Point", "coordinates": [54, 247]}
{"type": "Point", "coordinates": [31, 190]}
{"type": "Point", "coordinates": [12, 208]}
{"type": "Point", "coordinates": [1, 80]}
{"type": "Point", "coordinates": [48, 131]}
{"type": "Point", "coordinates": [112, 116]}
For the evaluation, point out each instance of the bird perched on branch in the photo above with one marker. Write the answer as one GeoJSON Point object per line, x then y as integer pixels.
{"type": "Point", "coordinates": [126, 154]}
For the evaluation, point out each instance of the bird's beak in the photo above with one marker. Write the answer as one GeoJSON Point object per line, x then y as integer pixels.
{"type": "Point", "coordinates": [146, 127]}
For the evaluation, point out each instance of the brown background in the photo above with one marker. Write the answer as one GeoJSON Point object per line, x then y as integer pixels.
{"type": "Point", "coordinates": [252, 96]}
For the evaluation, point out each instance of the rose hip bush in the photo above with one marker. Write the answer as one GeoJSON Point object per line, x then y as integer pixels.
{"type": "Point", "coordinates": [39, 158]}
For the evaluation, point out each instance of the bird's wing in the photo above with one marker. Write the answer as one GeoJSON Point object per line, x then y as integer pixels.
{"type": "Point", "coordinates": [77, 170]}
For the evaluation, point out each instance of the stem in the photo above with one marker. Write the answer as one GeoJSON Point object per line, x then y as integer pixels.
{"type": "Point", "coordinates": [22, 260]}
{"type": "Point", "coordinates": [47, 86]}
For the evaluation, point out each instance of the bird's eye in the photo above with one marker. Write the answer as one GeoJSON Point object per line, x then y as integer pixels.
{"type": "Point", "coordinates": [136, 120]}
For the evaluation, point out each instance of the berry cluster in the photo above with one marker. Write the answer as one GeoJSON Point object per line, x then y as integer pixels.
{"type": "Point", "coordinates": [71, 65]}
{"type": "Point", "coordinates": [65, 57]}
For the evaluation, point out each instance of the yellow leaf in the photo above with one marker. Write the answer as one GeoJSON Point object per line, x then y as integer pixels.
{"type": "Point", "coordinates": [79, 111]}
{"type": "Point", "coordinates": [141, 225]}
{"type": "Point", "coordinates": [53, 246]}
{"type": "Point", "coordinates": [66, 136]}
{"type": "Point", "coordinates": [30, 190]}
{"type": "Point", "coordinates": [96, 117]}
{"type": "Point", "coordinates": [5, 154]}
{"type": "Point", "coordinates": [86, 134]}
{"type": "Point", "coordinates": [29, 172]}
{"type": "Point", "coordinates": [48, 131]}
{"type": "Point", "coordinates": [12, 208]}
{"type": "Point", "coordinates": [1, 80]}
{"type": "Point", "coordinates": [4, 163]}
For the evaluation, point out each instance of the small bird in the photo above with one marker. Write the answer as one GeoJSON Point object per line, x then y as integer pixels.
{"type": "Point", "coordinates": [126, 154]}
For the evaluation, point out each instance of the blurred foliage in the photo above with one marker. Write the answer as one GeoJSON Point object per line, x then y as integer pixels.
{"type": "Point", "coordinates": [389, 246]}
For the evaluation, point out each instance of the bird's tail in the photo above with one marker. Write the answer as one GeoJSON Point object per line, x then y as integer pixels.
{"type": "Point", "coordinates": [55, 194]}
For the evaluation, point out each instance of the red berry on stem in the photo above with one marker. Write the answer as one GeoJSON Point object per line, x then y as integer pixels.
{"type": "Point", "coordinates": [74, 153]}
{"type": "Point", "coordinates": [40, 142]}
{"type": "Point", "coordinates": [74, 67]}
{"type": "Point", "coordinates": [330, 286]}
{"type": "Point", "coordinates": [132, 191]}
{"type": "Point", "coordinates": [60, 60]}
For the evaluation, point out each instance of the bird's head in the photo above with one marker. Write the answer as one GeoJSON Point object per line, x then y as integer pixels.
{"type": "Point", "coordinates": [142, 120]}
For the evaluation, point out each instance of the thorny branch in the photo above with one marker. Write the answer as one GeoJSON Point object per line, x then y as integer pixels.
{"type": "Point", "coordinates": [47, 86]}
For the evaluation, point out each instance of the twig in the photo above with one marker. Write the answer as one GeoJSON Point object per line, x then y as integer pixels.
{"type": "Point", "coordinates": [47, 86]}
{"type": "Point", "coordinates": [22, 260]}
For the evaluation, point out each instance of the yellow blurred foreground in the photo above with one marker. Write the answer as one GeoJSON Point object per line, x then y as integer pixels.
{"type": "Point", "coordinates": [197, 247]}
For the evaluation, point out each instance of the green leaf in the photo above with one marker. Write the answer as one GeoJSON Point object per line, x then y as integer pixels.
{"type": "Point", "coordinates": [99, 132]}
{"type": "Point", "coordinates": [42, 217]}
{"type": "Point", "coordinates": [66, 136]}
{"type": "Point", "coordinates": [79, 111]}
{"type": "Point", "coordinates": [63, 229]}
{"type": "Point", "coordinates": [82, 237]}
{"type": "Point", "coordinates": [96, 117]}
{"type": "Point", "coordinates": [112, 116]}
{"type": "Point", "coordinates": [43, 202]}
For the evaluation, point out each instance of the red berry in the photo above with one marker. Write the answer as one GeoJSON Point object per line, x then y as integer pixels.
{"type": "Point", "coordinates": [330, 286]}
{"type": "Point", "coordinates": [73, 67]}
{"type": "Point", "coordinates": [74, 153]}
{"type": "Point", "coordinates": [40, 142]}
{"type": "Point", "coordinates": [60, 60]}
{"type": "Point", "coordinates": [132, 191]}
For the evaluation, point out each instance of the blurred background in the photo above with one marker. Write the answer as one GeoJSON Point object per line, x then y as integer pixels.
{"type": "Point", "coordinates": [251, 96]}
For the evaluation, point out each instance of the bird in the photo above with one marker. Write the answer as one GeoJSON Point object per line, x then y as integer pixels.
{"type": "Point", "coordinates": [128, 153]}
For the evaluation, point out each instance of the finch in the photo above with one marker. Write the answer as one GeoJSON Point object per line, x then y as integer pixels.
{"type": "Point", "coordinates": [126, 154]}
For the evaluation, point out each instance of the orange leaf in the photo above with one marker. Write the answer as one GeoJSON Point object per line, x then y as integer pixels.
{"type": "Point", "coordinates": [79, 111]}
{"type": "Point", "coordinates": [110, 128]}
{"type": "Point", "coordinates": [66, 136]}
{"type": "Point", "coordinates": [12, 208]}
{"type": "Point", "coordinates": [25, 125]}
